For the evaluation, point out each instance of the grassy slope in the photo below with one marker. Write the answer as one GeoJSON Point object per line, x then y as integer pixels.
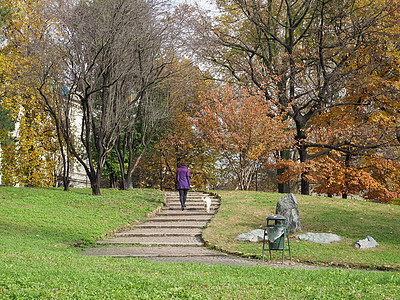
{"type": "Point", "coordinates": [352, 219]}
{"type": "Point", "coordinates": [37, 261]}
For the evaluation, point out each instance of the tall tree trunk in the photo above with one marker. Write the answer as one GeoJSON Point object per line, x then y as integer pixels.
{"type": "Point", "coordinates": [283, 187]}
{"type": "Point", "coordinates": [95, 188]}
{"type": "Point", "coordinates": [127, 178]}
{"type": "Point", "coordinates": [305, 185]}
{"type": "Point", "coordinates": [113, 181]}
{"type": "Point", "coordinates": [302, 149]}
{"type": "Point", "coordinates": [347, 165]}
{"type": "Point", "coordinates": [95, 182]}
{"type": "Point", "coordinates": [124, 183]}
{"type": "Point", "coordinates": [65, 158]}
{"type": "Point", "coordinates": [66, 179]}
{"type": "Point", "coordinates": [121, 153]}
{"type": "Point", "coordinates": [256, 180]}
{"type": "Point", "coordinates": [161, 173]}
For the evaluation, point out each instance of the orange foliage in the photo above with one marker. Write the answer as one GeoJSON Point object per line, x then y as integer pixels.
{"type": "Point", "coordinates": [243, 128]}
{"type": "Point", "coordinates": [362, 127]}
{"type": "Point", "coordinates": [374, 177]}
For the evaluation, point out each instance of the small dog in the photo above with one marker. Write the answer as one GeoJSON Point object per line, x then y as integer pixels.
{"type": "Point", "coordinates": [207, 203]}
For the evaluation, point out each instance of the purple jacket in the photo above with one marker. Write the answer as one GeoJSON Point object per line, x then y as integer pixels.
{"type": "Point", "coordinates": [183, 178]}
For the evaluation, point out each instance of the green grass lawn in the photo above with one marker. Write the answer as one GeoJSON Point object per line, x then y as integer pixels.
{"type": "Point", "coordinates": [351, 219]}
{"type": "Point", "coordinates": [39, 258]}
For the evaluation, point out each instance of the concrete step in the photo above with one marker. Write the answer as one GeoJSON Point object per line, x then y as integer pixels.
{"type": "Point", "coordinates": [189, 207]}
{"type": "Point", "coordinates": [190, 193]}
{"type": "Point", "coordinates": [176, 224]}
{"type": "Point", "coordinates": [193, 241]}
{"type": "Point", "coordinates": [171, 212]}
{"type": "Point", "coordinates": [190, 198]}
{"type": "Point", "coordinates": [193, 195]}
{"type": "Point", "coordinates": [152, 252]}
{"type": "Point", "coordinates": [189, 201]}
{"type": "Point", "coordinates": [181, 218]}
{"type": "Point", "coordinates": [160, 232]}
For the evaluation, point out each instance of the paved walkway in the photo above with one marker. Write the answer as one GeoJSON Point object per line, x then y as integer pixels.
{"type": "Point", "coordinates": [173, 235]}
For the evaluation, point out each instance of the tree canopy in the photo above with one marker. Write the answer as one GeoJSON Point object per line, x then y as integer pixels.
{"type": "Point", "coordinates": [308, 89]}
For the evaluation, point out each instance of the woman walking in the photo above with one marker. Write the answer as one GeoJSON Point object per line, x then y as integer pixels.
{"type": "Point", "coordinates": [183, 183]}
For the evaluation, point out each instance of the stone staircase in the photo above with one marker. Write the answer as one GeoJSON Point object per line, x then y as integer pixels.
{"type": "Point", "coordinates": [170, 233]}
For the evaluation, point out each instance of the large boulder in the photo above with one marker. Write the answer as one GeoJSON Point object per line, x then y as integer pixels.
{"type": "Point", "coordinates": [289, 208]}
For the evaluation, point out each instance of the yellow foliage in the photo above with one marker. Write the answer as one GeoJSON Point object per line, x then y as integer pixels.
{"type": "Point", "coordinates": [31, 155]}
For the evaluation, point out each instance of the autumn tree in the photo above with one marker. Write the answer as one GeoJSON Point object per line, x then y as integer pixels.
{"type": "Point", "coordinates": [365, 137]}
{"type": "Point", "coordinates": [132, 144]}
{"type": "Point", "coordinates": [160, 66]}
{"type": "Point", "coordinates": [6, 124]}
{"type": "Point", "coordinates": [242, 127]}
{"type": "Point", "coordinates": [30, 156]}
{"type": "Point", "coordinates": [181, 143]}
{"type": "Point", "coordinates": [106, 54]}
{"type": "Point", "coordinates": [362, 130]}
{"type": "Point", "coordinates": [296, 52]}
{"type": "Point", "coordinates": [177, 139]}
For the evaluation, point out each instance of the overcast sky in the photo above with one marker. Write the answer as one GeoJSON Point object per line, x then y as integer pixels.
{"type": "Point", "coordinates": [206, 4]}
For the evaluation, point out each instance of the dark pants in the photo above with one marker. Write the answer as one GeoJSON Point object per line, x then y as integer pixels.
{"type": "Point", "coordinates": [182, 197]}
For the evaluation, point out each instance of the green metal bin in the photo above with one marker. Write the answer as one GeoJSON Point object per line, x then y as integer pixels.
{"type": "Point", "coordinates": [275, 232]}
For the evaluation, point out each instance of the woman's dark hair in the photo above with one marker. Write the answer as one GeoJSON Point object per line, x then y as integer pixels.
{"type": "Point", "coordinates": [181, 164]}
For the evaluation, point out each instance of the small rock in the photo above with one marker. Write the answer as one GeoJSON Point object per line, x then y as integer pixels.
{"type": "Point", "coordinates": [323, 238]}
{"type": "Point", "coordinates": [256, 235]}
{"type": "Point", "coordinates": [368, 242]}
